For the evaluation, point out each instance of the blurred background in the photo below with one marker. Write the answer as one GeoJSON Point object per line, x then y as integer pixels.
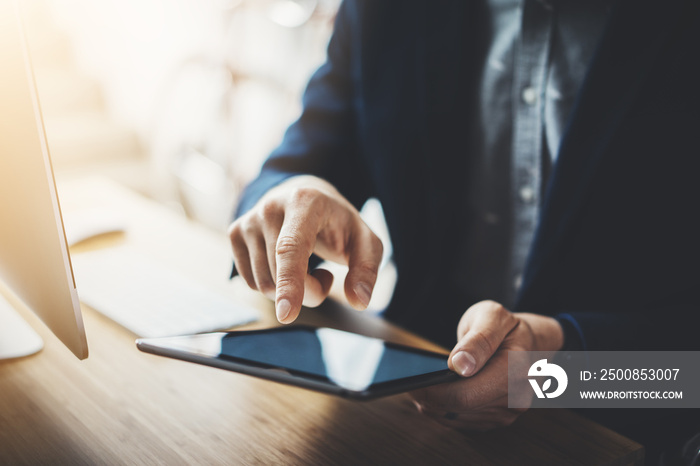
{"type": "Point", "coordinates": [180, 100]}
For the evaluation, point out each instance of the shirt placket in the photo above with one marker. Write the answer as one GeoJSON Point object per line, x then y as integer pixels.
{"type": "Point", "coordinates": [530, 64]}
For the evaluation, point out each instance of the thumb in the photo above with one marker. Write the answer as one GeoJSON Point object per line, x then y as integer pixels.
{"type": "Point", "coordinates": [365, 255]}
{"type": "Point", "coordinates": [486, 325]}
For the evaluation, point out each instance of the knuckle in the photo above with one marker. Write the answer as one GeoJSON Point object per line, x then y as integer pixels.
{"type": "Point", "coordinates": [497, 311]}
{"type": "Point", "coordinates": [500, 310]}
{"type": "Point", "coordinates": [286, 245]}
{"type": "Point", "coordinates": [492, 306]}
{"type": "Point", "coordinates": [480, 309]}
{"type": "Point", "coordinates": [503, 314]}
{"type": "Point", "coordinates": [310, 199]}
{"type": "Point", "coordinates": [242, 228]}
{"type": "Point", "coordinates": [285, 282]}
{"type": "Point", "coordinates": [248, 228]}
{"type": "Point", "coordinates": [483, 341]}
{"type": "Point", "coordinates": [305, 196]}
{"type": "Point", "coordinates": [269, 211]}
{"type": "Point", "coordinates": [234, 230]}
{"type": "Point", "coordinates": [367, 269]}
{"type": "Point", "coordinates": [463, 325]}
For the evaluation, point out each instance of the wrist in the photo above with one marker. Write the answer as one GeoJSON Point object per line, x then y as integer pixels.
{"type": "Point", "coordinates": [547, 332]}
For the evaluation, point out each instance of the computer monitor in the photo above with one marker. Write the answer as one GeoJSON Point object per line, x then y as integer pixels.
{"type": "Point", "coordinates": [35, 263]}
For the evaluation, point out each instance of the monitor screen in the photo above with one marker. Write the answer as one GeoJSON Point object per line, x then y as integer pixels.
{"type": "Point", "coordinates": [34, 259]}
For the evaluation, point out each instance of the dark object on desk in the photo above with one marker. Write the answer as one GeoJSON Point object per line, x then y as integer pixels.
{"type": "Point", "coordinates": [322, 359]}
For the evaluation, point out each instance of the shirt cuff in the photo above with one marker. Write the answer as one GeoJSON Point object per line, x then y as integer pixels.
{"type": "Point", "coordinates": [573, 335]}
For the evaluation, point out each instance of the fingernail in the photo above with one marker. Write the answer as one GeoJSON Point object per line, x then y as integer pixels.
{"type": "Point", "coordinates": [464, 363]}
{"type": "Point", "coordinates": [284, 307]}
{"type": "Point", "coordinates": [363, 293]}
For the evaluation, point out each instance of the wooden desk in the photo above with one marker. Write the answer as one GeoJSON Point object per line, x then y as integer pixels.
{"type": "Point", "coordinates": [122, 406]}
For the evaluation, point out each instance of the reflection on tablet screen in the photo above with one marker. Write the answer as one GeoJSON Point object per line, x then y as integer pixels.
{"type": "Point", "coordinates": [351, 361]}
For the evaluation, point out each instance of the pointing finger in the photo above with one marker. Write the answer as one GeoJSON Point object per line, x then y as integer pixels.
{"type": "Point", "coordinates": [295, 245]}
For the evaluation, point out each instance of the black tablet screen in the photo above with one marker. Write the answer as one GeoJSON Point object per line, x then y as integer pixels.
{"type": "Point", "coordinates": [351, 361]}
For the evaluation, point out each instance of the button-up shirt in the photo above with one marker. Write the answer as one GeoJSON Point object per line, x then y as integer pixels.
{"type": "Point", "coordinates": [534, 62]}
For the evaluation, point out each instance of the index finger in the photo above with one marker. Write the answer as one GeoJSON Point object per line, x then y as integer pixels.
{"type": "Point", "coordinates": [294, 247]}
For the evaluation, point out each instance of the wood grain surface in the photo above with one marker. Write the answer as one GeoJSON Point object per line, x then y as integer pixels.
{"type": "Point", "coordinates": [121, 406]}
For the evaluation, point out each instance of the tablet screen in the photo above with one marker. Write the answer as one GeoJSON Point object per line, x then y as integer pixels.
{"type": "Point", "coordinates": [350, 361]}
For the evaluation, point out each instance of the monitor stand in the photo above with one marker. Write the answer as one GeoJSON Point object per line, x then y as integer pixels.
{"type": "Point", "coordinates": [17, 338]}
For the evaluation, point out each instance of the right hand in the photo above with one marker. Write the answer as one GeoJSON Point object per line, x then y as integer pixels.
{"type": "Point", "coordinates": [304, 215]}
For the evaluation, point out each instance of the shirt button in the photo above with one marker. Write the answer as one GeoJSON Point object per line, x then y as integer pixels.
{"type": "Point", "coordinates": [527, 194]}
{"type": "Point", "coordinates": [518, 282]}
{"type": "Point", "coordinates": [529, 95]}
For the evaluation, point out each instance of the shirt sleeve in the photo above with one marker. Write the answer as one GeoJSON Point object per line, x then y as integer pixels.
{"type": "Point", "coordinates": [668, 326]}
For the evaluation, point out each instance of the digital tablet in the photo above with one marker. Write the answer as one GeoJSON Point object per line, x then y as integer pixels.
{"type": "Point", "coordinates": [322, 359]}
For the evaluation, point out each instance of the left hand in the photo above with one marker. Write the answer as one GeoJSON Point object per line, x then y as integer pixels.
{"type": "Point", "coordinates": [486, 332]}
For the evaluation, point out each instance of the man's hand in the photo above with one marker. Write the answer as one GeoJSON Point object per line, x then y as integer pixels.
{"type": "Point", "coordinates": [486, 332]}
{"type": "Point", "coordinates": [272, 244]}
